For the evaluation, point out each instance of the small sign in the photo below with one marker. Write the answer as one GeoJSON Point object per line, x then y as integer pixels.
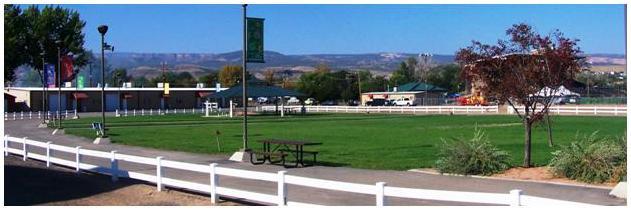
{"type": "Point", "coordinates": [254, 35]}
{"type": "Point", "coordinates": [80, 82]}
{"type": "Point", "coordinates": [166, 88]}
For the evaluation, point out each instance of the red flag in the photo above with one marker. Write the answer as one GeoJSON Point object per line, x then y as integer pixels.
{"type": "Point", "coordinates": [67, 71]}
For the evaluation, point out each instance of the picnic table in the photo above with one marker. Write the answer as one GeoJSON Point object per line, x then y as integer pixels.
{"type": "Point", "coordinates": [283, 148]}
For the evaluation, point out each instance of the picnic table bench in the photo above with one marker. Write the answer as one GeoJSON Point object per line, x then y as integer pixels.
{"type": "Point", "coordinates": [282, 149]}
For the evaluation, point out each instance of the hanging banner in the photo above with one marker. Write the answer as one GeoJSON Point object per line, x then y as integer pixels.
{"type": "Point", "coordinates": [166, 88]}
{"type": "Point", "coordinates": [49, 75]}
{"type": "Point", "coordinates": [254, 40]}
{"type": "Point", "coordinates": [80, 82]}
{"type": "Point", "coordinates": [67, 69]}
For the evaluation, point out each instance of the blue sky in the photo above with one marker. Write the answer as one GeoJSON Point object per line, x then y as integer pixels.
{"type": "Point", "coordinates": [313, 29]}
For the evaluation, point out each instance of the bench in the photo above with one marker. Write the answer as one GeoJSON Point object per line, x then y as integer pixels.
{"type": "Point", "coordinates": [267, 155]}
{"type": "Point", "coordinates": [98, 127]}
{"type": "Point", "coordinates": [314, 153]}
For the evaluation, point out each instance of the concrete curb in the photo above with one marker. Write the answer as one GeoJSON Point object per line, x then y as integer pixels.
{"type": "Point", "coordinates": [517, 180]}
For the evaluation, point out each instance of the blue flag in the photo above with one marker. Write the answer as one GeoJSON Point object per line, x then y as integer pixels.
{"type": "Point", "coordinates": [49, 75]}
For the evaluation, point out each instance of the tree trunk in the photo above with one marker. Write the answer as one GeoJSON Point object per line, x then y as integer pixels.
{"type": "Point", "coordinates": [527, 138]}
{"type": "Point", "coordinates": [550, 143]}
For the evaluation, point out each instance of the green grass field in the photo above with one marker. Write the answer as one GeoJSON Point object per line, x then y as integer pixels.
{"type": "Point", "coordinates": [372, 141]}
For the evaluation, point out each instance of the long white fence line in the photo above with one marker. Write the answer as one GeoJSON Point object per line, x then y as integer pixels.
{"type": "Point", "coordinates": [119, 113]}
{"type": "Point", "coordinates": [380, 190]}
{"type": "Point", "coordinates": [579, 110]}
{"type": "Point", "coordinates": [394, 109]}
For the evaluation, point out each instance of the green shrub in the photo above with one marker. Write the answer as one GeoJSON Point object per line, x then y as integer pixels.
{"type": "Point", "coordinates": [592, 159]}
{"type": "Point", "coordinates": [471, 156]}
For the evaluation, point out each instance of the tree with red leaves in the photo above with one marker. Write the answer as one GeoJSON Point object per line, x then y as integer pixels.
{"type": "Point", "coordinates": [527, 70]}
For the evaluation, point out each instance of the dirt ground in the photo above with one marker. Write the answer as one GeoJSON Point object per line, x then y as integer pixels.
{"type": "Point", "coordinates": [32, 183]}
{"type": "Point", "coordinates": [542, 174]}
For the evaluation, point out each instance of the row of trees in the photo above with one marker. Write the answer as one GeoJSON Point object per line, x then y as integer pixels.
{"type": "Point", "coordinates": [323, 84]}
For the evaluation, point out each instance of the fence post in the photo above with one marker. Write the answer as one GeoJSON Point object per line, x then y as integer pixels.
{"type": "Point", "coordinates": [6, 145]}
{"type": "Point", "coordinates": [30, 115]}
{"type": "Point", "coordinates": [48, 154]}
{"type": "Point", "coordinates": [21, 115]}
{"type": "Point", "coordinates": [113, 166]}
{"type": "Point", "coordinates": [213, 183]}
{"type": "Point", "coordinates": [14, 115]}
{"type": "Point", "coordinates": [78, 159]}
{"type": "Point", "coordinates": [125, 112]}
{"type": "Point", "coordinates": [134, 112]}
{"type": "Point", "coordinates": [24, 148]}
{"type": "Point", "coordinates": [282, 189]}
{"type": "Point", "coordinates": [142, 112]}
{"type": "Point", "coordinates": [75, 113]}
{"type": "Point", "coordinates": [159, 172]}
{"type": "Point", "coordinates": [39, 115]}
{"type": "Point", "coordinates": [576, 109]}
{"type": "Point", "coordinates": [595, 111]}
{"type": "Point", "coordinates": [515, 197]}
{"type": "Point", "coordinates": [615, 110]}
{"type": "Point", "coordinates": [379, 195]}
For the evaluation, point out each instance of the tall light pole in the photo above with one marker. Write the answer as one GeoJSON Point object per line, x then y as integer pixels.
{"type": "Point", "coordinates": [244, 79]}
{"type": "Point", "coordinates": [103, 29]}
{"type": "Point", "coordinates": [44, 83]}
{"type": "Point", "coordinates": [58, 43]}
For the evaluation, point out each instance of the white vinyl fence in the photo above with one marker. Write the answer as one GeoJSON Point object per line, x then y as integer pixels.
{"type": "Point", "coordinates": [393, 109]}
{"type": "Point", "coordinates": [579, 110]}
{"type": "Point", "coordinates": [380, 189]}
{"type": "Point", "coordinates": [119, 113]}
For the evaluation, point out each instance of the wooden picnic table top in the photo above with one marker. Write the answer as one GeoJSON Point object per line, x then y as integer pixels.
{"type": "Point", "coordinates": [288, 142]}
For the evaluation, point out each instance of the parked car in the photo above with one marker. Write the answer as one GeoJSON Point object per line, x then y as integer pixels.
{"type": "Point", "coordinates": [389, 102]}
{"type": "Point", "coordinates": [329, 103]}
{"type": "Point", "coordinates": [376, 102]}
{"type": "Point", "coordinates": [353, 103]}
{"type": "Point", "coordinates": [262, 100]}
{"type": "Point", "coordinates": [293, 100]}
{"type": "Point", "coordinates": [310, 101]}
{"type": "Point", "coordinates": [404, 102]}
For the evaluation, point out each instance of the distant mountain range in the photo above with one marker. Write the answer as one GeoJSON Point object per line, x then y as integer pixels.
{"type": "Point", "coordinates": [149, 64]}
{"type": "Point", "coordinates": [199, 64]}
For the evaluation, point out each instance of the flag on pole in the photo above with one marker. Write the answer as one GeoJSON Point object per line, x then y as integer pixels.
{"type": "Point", "coordinates": [254, 34]}
{"type": "Point", "coordinates": [49, 75]}
{"type": "Point", "coordinates": [80, 81]}
{"type": "Point", "coordinates": [67, 70]}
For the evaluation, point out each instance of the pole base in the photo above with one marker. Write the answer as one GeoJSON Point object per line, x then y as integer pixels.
{"type": "Point", "coordinates": [58, 131]}
{"type": "Point", "coordinates": [102, 140]}
{"type": "Point", "coordinates": [42, 125]}
{"type": "Point", "coordinates": [620, 190]}
{"type": "Point", "coordinates": [241, 155]}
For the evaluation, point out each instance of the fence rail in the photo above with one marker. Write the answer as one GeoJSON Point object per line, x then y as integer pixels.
{"type": "Point", "coordinates": [380, 190]}
{"type": "Point", "coordinates": [579, 110]}
{"type": "Point", "coordinates": [395, 109]}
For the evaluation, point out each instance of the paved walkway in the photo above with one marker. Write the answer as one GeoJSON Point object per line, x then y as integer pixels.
{"type": "Point", "coordinates": [28, 128]}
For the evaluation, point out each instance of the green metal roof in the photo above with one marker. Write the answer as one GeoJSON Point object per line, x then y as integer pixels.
{"type": "Point", "coordinates": [419, 86]}
{"type": "Point", "coordinates": [255, 91]}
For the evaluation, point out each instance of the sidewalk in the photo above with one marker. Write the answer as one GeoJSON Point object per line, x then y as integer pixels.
{"type": "Point", "coordinates": [28, 128]}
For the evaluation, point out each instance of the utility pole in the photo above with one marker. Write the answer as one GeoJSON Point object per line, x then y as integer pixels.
{"type": "Point", "coordinates": [58, 42]}
{"type": "Point", "coordinates": [359, 85]}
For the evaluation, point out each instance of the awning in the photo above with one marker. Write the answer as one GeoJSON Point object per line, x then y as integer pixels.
{"type": "Point", "coordinates": [203, 94]}
{"type": "Point", "coordinates": [80, 95]}
{"type": "Point", "coordinates": [127, 95]}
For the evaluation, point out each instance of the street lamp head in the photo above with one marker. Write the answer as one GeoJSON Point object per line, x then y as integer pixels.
{"type": "Point", "coordinates": [58, 42]}
{"type": "Point", "coordinates": [103, 29]}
